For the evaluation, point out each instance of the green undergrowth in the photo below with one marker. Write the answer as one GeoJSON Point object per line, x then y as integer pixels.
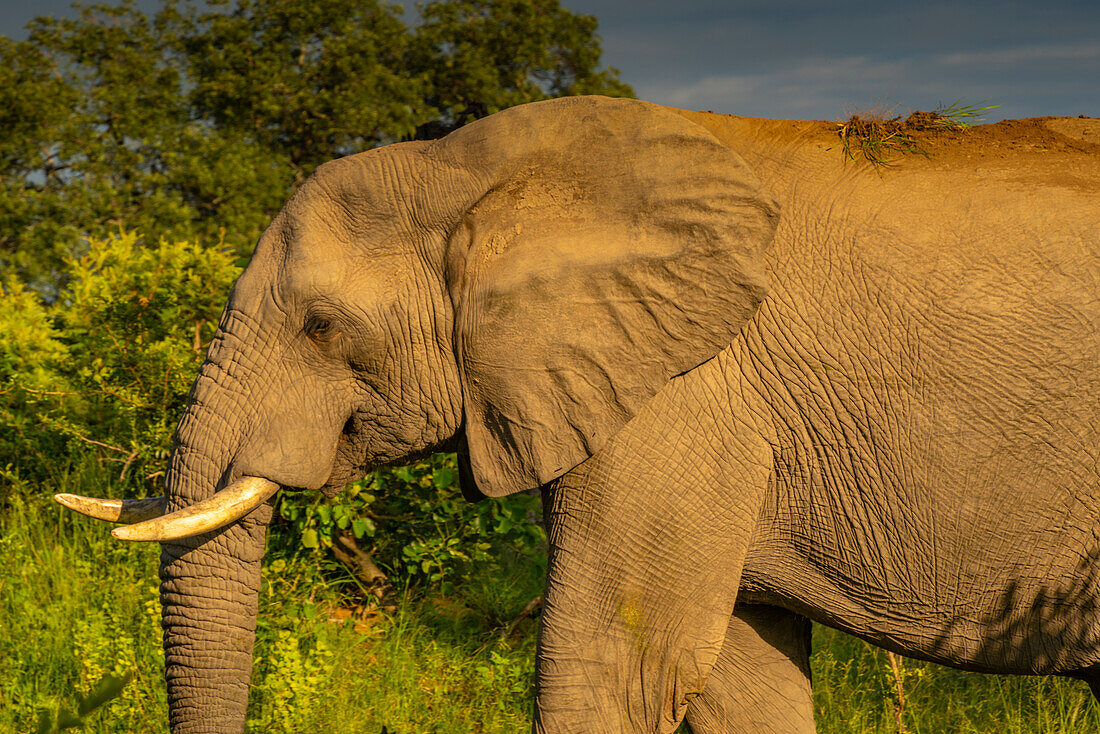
{"type": "Point", "coordinates": [451, 663]}
{"type": "Point", "coordinates": [854, 691]}
{"type": "Point", "coordinates": [77, 606]}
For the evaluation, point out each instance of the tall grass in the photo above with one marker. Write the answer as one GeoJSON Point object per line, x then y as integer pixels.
{"type": "Point", "coordinates": [75, 605]}
{"type": "Point", "coordinates": [854, 692]}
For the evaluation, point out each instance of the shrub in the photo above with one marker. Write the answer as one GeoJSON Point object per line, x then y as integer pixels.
{"type": "Point", "coordinates": [415, 523]}
{"type": "Point", "coordinates": [104, 371]}
{"type": "Point", "coordinates": [29, 352]}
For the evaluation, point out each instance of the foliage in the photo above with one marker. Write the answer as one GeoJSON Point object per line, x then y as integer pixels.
{"type": "Point", "coordinates": [193, 122]}
{"type": "Point", "coordinates": [76, 610]}
{"type": "Point", "coordinates": [202, 118]}
{"type": "Point", "coordinates": [959, 116]}
{"type": "Point", "coordinates": [108, 140]}
{"type": "Point", "coordinates": [102, 375]}
{"type": "Point", "coordinates": [30, 341]}
{"type": "Point", "coordinates": [309, 81]}
{"type": "Point", "coordinates": [415, 523]}
{"type": "Point", "coordinates": [75, 605]}
{"type": "Point", "coordinates": [52, 721]}
{"type": "Point", "coordinates": [482, 56]}
{"type": "Point", "coordinates": [105, 370]}
{"type": "Point", "coordinates": [855, 691]}
{"type": "Point", "coordinates": [29, 353]}
{"type": "Point", "coordinates": [875, 139]}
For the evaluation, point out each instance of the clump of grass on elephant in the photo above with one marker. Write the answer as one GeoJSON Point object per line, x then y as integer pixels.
{"type": "Point", "coordinates": [878, 136]}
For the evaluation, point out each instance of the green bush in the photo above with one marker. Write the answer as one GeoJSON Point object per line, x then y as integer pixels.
{"type": "Point", "coordinates": [417, 526]}
{"type": "Point", "coordinates": [29, 352]}
{"type": "Point", "coordinates": [104, 371]}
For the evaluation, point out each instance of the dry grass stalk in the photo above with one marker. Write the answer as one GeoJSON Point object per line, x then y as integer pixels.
{"type": "Point", "coordinates": [899, 701]}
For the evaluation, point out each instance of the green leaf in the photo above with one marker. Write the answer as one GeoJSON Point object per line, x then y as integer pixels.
{"type": "Point", "coordinates": [444, 477]}
{"type": "Point", "coordinates": [45, 722]}
{"type": "Point", "coordinates": [309, 538]}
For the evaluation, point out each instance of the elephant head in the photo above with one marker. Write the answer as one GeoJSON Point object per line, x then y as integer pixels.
{"type": "Point", "coordinates": [516, 290]}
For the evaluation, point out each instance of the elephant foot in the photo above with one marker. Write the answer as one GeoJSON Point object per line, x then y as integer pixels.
{"type": "Point", "coordinates": [761, 682]}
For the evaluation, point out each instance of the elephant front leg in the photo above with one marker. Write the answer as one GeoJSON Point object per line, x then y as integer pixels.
{"type": "Point", "coordinates": [647, 542]}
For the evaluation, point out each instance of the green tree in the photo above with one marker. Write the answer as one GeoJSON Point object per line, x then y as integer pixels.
{"type": "Point", "coordinates": [106, 139]}
{"type": "Point", "coordinates": [482, 56]}
{"type": "Point", "coordinates": [197, 122]}
{"type": "Point", "coordinates": [309, 80]}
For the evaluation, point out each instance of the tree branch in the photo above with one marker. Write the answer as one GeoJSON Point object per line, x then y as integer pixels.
{"type": "Point", "coordinates": [348, 552]}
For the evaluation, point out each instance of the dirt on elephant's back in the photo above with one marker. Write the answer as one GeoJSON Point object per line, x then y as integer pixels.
{"type": "Point", "coordinates": [1033, 134]}
{"type": "Point", "coordinates": [1064, 151]}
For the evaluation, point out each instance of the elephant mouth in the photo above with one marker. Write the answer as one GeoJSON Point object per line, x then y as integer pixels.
{"type": "Point", "coordinates": [146, 519]}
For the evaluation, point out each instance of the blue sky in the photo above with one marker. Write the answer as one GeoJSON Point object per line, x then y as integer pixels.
{"type": "Point", "coordinates": [824, 60]}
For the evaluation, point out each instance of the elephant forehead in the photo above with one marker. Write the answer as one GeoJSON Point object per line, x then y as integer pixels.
{"type": "Point", "coordinates": [325, 230]}
{"type": "Point", "coordinates": [348, 198]}
{"type": "Point", "coordinates": [341, 277]}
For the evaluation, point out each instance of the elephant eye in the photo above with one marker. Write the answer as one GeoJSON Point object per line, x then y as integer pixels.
{"type": "Point", "coordinates": [320, 328]}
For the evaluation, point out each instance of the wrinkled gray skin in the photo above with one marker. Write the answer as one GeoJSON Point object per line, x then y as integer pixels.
{"type": "Point", "coordinates": [883, 416]}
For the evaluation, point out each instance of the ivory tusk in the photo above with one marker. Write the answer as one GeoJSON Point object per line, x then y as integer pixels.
{"type": "Point", "coordinates": [123, 511]}
{"type": "Point", "coordinates": [225, 507]}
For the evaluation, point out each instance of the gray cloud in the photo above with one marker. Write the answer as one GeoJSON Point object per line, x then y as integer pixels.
{"type": "Point", "coordinates": [816, 59]}
{"type": "Point", "coordinates": [1023, 54]}
{"type": "Point", "coordinates": [795, 58]}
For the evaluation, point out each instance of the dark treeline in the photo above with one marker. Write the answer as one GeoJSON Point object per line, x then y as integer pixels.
{"type": "Point", "coordinates": [202, 118]}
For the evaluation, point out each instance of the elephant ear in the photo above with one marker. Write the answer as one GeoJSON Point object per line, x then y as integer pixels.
{"type": "Point", "coordinates": [614, 245]}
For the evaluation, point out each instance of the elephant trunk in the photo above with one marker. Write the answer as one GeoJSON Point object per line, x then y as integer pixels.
{"type": "Point", "coordinates": [209, 583]}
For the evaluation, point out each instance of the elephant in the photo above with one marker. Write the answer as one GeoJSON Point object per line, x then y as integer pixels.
{"type": "Point", "coordinates": [756, 387]}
